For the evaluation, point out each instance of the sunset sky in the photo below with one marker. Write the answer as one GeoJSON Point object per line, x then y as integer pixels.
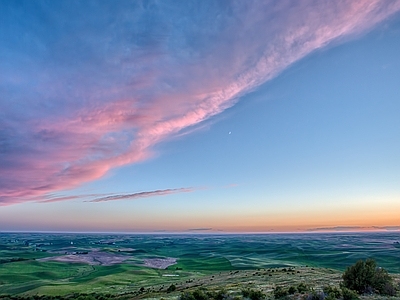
{"type": "Point", "coordinates": [199, 116]}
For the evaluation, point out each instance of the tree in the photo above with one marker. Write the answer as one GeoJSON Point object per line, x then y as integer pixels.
{"type": "Point", "coordinates": [171, 288]}
{"type": "Point", "coordinates": [366, 277]}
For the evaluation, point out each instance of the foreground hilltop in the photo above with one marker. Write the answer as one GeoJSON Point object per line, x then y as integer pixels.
{"type": "Point", "coordinates": [301, 282]}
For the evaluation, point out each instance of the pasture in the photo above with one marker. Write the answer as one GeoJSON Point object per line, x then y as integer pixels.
{"type": "Point", "coordinates": [59, 264]}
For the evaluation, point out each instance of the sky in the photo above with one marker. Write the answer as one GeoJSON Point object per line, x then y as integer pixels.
{"type": "Point", "coordinates": [199, 116]}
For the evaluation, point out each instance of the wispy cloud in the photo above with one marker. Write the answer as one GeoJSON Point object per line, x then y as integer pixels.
{"type": "Point", "coordinates": [389, 228]}
{"type": "Point", "coordinates": [53, 198]}
{"type": "Point", "coordinates": [95, 85]}
{"type": "Point", "coordinates": [356, 228]}
{"type": "Point", "coordinates": [140, 195]}
{"type": "Point", "coordinates": [339, 228]}
{"type": "Point", "coordinates": [200, 229]}
{"type": "Point", "coordinates": [114, 197]}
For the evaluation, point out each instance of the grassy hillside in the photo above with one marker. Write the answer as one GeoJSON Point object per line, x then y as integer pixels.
{"type": "Point", "coordinates": [61, 264]}
{"type": "Point", "coordinates": [231, 282]}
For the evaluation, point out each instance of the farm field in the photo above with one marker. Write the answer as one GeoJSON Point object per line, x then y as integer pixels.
{"type": "Point", "coordinates": [60, 264]}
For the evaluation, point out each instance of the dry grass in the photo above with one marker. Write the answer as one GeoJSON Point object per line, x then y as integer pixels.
{"type": "Point", "coordinates": [262, 279]}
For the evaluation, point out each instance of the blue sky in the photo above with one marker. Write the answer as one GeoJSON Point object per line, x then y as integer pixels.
{"type": "Point", "coordinates": [227, 116]}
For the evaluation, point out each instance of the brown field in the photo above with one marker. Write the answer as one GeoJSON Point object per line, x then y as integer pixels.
{"type": "Point", "coordinates": [92, 258]}
{"type": "Point", "coordinates": [159, 263]}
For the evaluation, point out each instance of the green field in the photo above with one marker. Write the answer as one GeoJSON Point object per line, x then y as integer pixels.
{"type": "Point", "coordinates": [60, 264]}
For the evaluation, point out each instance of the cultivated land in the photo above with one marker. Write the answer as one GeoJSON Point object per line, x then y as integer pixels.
{"type": "Point", "coordinates": [145, 266]}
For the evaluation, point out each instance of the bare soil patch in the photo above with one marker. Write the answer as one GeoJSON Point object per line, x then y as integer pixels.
{"type": "Point", "coordinates": [159, 263]}
{"type": "Point", "coordinates": [92, 258]}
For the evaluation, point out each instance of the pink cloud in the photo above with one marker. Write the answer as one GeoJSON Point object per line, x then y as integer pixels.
{"type": "Point", "coordinates": [113, 113]}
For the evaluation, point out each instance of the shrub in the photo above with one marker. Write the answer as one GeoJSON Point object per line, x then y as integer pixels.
{"type": "Point", "coordinates": [221, 295]}
{"type": "Point", "coordinates": [292, 290]}
{"type": "Point", "coordinates": [187, 296]}
{"type": "Point", "coordinates": [302, 288]}
{"type": "Point", "coordinates": [204, 294]}
{"type": "Point", "coordinates": [280, 292]}
{"type": "Point", "coordinates": [82, 297]}
{"type": "Point", "coordinates": [365, 277]}
{"type": "Point", "coordinates": [315, 296]}
{"type": "Point", "coordinates": [383, 282]}
{"type": "Point", "coordinates": [253, 294]}
{"type": "Point", "coordinates": [332, 292]}
{"type": "Point", "coordinates": [200, 295]}
{"type": "Point", "coordinates": [389, 290]}
{"type": "Point", "coordinates": [349, 294]}
{"type": "Point", "coordinates": [171, 288]}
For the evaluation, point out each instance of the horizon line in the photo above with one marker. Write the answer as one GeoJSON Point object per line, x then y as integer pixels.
{"type": "Point", "coordinates": [197, 232]}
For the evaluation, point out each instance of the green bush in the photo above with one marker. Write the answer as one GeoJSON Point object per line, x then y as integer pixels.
{"type": "Point", "coordinates": [200, 295]}
{"type": "Point", "coordinates": [315, 296]}
{"type": "Point", "coordinates": [383, 282]}
{"type": "Point", "coordinates": [253, 294]}
{"type": "Point", "coordinates": [292, 290]}
{"type": "Point", "coordinates": [221, 295]}
{"type": "Point", "coordinates": [204, 294]}
{"type": "Point", "coordinates": [332, 292]}
{"type": "Point", "coordinates": [349, 294]}
{"type": "Point", "coordinates": [187, 296]}
{"type": "Point", "coordinates": [280, 292]}
{"type": "Point", "coordinates": [302, 288]}
{"type": "Point", "coordinates": [366, 277]}
{"type": "Point", "coordinates": [171, 288]}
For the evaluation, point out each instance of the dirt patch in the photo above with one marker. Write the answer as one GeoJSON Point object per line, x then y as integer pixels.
{"type": "Point", "coordinates": [159, 263]}
{"type": "Point", "coordinates": [91, 258]}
